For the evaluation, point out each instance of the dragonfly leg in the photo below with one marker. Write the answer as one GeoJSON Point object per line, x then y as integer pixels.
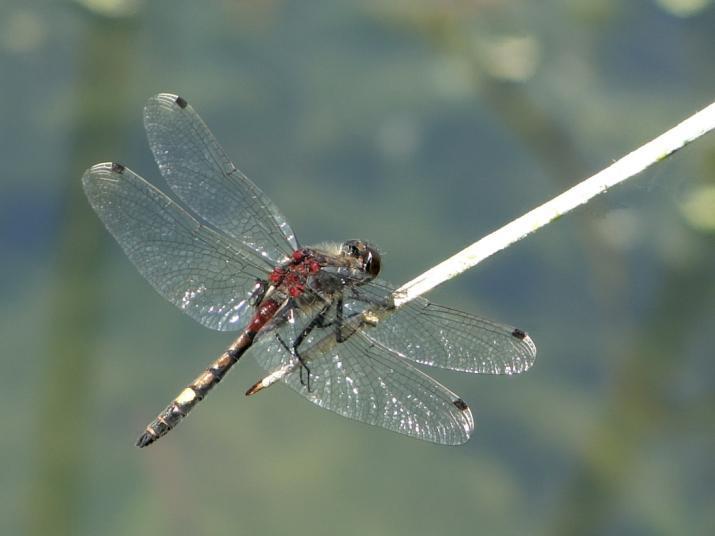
{"type": "Point", "coordinates": [291, 349]}
{"type": "Point", "coordinates": [358, 296]}
{"type": "Point", "coordinates": [339, 319]}
{"type": "Point", "coordinates": [318, 321]}
{"type": "Point", "coordinates": [340, 335]}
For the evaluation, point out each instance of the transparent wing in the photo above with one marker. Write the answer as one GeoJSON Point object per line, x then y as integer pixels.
{"type": "Point", "coordinates": [203, 273]}
{"type": "Point", "coordinates": [438, 336]}
{"type": "Point", "coordinates": [363, 380]}
{"type": "Point", "coordinates": [202, 176]}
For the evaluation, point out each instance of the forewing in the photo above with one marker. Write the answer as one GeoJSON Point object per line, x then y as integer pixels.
{"type": "Point", "coordinates": [194, 267]}
{"type": "Point", "coordinates": [362, 380]}
{"type": "Point", "coordinates": [202, 176]}
{"type": "Point", "coordinates": [438, 336]}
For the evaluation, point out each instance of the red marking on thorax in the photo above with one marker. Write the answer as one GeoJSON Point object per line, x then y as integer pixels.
{"type": "Point", "coordinates": [292, 277]}
{"type": "Point", "coordinates": [276, 276]}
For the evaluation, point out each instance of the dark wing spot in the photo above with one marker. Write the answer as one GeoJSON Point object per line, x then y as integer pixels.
{"type": "Point", "coordinates": [460, 404]}
{"type": "Point", "coordinates": [117, 167]}
{"type": "Point", "coordinates": [181, 102]}
{"type": "Point", "coordinates": [519, 334]}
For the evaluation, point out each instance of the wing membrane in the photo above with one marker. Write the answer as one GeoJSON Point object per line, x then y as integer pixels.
{"type": "Point", "coordinates": [362, 380]}
{"type": "Point", "coordinates": [203, 273]}
{"type": "Point", "coordinates": [202, 176]}
{"type": "Point", "coordinates": [438, 336]}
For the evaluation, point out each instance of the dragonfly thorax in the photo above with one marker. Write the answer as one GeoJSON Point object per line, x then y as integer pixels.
{"type": "Point", "coordinates": [327, 268]}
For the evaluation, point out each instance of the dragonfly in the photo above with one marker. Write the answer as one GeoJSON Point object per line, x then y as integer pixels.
{"type": "Point", "coordinates": [317, 318]}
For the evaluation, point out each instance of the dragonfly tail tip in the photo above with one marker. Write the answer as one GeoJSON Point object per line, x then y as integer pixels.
{"type": "Point", "coordinates": [145, 440]}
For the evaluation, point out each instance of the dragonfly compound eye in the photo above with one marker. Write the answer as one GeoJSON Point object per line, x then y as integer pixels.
{"type": "Point", "coordinates": [371, 260]}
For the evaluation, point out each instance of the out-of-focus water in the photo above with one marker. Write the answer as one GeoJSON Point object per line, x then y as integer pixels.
{"type": "Point", "coordinates": [419, 126]}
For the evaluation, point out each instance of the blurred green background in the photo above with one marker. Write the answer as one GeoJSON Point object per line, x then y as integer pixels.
{"type": "Point", "coordinates": [418, 125]}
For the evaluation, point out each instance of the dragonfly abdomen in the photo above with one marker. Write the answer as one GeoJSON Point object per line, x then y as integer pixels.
{"type": "Point", "coordinates": [207, 380]}
{"type": "Point", "coordinates": [194, 392]}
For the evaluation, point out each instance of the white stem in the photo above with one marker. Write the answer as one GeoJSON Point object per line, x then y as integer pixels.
{"type": "Point", "coordinates": [628, 166]}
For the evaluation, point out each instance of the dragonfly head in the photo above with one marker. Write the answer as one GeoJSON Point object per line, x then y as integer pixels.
{"type": "Point", "coordinates": [367, 255]}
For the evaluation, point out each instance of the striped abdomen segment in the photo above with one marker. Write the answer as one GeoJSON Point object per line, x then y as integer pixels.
{"type": "Point", "coordinates": [204, 382]}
